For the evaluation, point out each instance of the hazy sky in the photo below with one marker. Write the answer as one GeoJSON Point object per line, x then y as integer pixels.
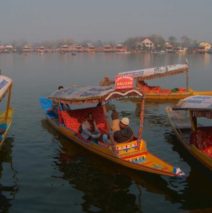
{"type": "Point", "coordinates": [107, 20]}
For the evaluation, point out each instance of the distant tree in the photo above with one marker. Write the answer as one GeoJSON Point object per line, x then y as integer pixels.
{"type": "Point", "coordinates": [186, 41]}
{"type": "Point", "coordinates": [158, 40]}
{"type": "Point", "coordinates": [85, 42]}
{"type": "Point", "coordinates": [19, 44]}
{"type": "Point", "coordinates": [172, 40]}
{"type": "Point", "coordinates": [14, 43]}
{"type": "Point", "coordinates": [195, 43]}
{"type": "Point", "coordinates": [130, 43]}
{"type": "Point", "coordinates": [48, 44]}
{"type": "Point", "coordinates": [98, 43]}
{"type": "Point", "coordinates": [59, 42]}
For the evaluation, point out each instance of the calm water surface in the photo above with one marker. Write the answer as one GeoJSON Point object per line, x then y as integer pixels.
{"type": "Point", "coordinates": [40, 171]}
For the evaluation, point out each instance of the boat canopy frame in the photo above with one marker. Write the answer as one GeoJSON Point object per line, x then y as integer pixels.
{"type": "Point", "coordinates": [90, 94]}
{"type": "Point", "coordinates": [98, 94]}
{"type": "Point", "coordinates": [158, 72]}
{"type": "Point", "coordinates": [197, 106]}
{"type": "Point", "coordinates": [195, 103]}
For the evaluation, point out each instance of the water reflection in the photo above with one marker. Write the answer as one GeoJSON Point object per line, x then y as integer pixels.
{"type": "Point", "coordinates": [154, 114]}
{"type": "Point", "coordinates": [197, 193]}
{"type": "Point", "coordinates": [108, 187]}
{"type": "Point", "coordinates": [42, 74]}
{"type": "Point", "coordinates": [8, 190]}
{"type": "Point", "coordinates": [108, 192]}
{"type": "Point", "coordinates": [102, 190]}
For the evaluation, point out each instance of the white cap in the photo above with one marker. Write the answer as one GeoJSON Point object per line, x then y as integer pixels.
{"type": "Point", "coordinates": [125, 121]}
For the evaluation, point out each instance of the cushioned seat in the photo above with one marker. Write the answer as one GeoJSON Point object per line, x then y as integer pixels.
{"type": "Point", "coordinates": [73, 118]}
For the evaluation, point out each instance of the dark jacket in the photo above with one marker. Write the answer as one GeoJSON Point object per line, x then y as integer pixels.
{"type": "Point", "coordinates": [123, 135]}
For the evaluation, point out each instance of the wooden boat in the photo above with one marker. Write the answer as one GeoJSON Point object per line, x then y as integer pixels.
{"type": "Point", "coordinates": [196, 138]}
{"type": "Point", "coordinates": [156, 93]}
{"type": "Point", "coordinates": [6, 112]}
{"type": "Point", "coordinates": [132, 154]}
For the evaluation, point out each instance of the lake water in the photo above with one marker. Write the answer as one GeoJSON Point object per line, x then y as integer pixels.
{"type": "Point", "coordinates": [40, 171]}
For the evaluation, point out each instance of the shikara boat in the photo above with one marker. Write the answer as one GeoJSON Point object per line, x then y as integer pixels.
{"type": "Point", "coordinates": [6, 111]}
{"type": "Point", "coordinates": [67, 120]}
{"type": "Point", "coordinates": [197, 137]}
{"type": "Point", "coordinates": [157, 93]}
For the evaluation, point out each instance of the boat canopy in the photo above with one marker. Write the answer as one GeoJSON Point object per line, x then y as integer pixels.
{"type": "Point", "coordinates": [195, 103]}
{"type": "Point", "coordinates": [91, 94]}
{"type": "Point", "coordinates": [156, 72]}
{"type": "Point", "coordinates": [5, 84]}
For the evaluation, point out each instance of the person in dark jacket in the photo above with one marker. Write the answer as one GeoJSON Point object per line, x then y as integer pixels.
{"type": "Point", "coordinates": [125, 133]}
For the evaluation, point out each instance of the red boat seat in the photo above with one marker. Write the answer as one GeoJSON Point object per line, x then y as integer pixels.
{"type": "Point", "coordinates": [181, 89]}
{"type": "Point", "coordinates": [73, 118]}
{"type": "Point", "coordinates": [165, 91]}
{"type": "Point", "coordinates": [202, 139]}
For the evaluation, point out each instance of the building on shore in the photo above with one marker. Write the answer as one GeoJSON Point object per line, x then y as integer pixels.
{"type": "Point", "coordinates": [7, 48]}
{"type": "Point", "coordinates": [169, 48]}
{"type": "Point", "coordinates": [204, 46]}
{"type": "Point", "coordinates": [120, 48]}
{"type": "Point", "coordinates": [77, 48]}
{"type": "Point", "coordinates": [145, 44]}
{"type": "Point", "coordinates": [90, 48]}
{"type": "Point", "coordinates": [65, 48]}
{"type": "Point", "coordinates": [181, 50]}
{"type": "Point", "coordinates": [41, 49]}
{"type": "Point", "coordinates": [27, 48]}
{"type": "Point", "coordinates": [108, 48]}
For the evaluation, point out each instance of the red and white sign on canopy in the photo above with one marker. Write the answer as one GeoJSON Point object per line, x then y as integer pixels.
{"type": "Point", "coordinates": [123, 82]}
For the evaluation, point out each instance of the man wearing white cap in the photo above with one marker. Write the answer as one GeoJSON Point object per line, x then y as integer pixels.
{"type": "Point", "coordinates": [125, 133]}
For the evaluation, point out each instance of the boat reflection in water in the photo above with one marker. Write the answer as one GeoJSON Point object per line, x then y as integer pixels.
{"type": "Point", "coordinates": [109, 187]}
{"type": "Point", "coordinates": [194, 188]}
{"type": "Point", "coordinates": [8, 190]}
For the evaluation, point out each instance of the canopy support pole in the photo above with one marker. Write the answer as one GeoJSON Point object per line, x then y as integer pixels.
{"type": "Point", "coordinates": [8, 103]}
{"type": "Point", "coordinates": [193, 121]}
{"type": "Point", "coordinates": [108, 124]}
{"type": "Point", "coordinates": [187, 80]}
{"type": "Point", "coordinates": [140, 131]}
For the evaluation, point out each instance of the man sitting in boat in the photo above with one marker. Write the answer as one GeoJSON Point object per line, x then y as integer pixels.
{"type": "Point", "coordinates": [89, 130]}
{"type": "Point", "coordinates": [125, 133]}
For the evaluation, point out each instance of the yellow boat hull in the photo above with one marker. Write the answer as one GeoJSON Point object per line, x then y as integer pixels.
{"type": "Point", "coordinates": [165, 97]}
{"type": "Point", "coordinates": [150, 164]}
{"type": "Point", "coordinates": [8, 123]}
{"type": "Point", "coordinates": [155, 96]}
{"type": "Point", "coordinates": [202, 93]}
{"type": "Point", "coordinates": [194, 151]}
{"type": "Point", "coordinates": [203, 158]}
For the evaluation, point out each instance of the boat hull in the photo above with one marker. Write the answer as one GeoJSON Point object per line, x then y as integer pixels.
{"type": "Point", "coordinates": [173, 95]}
{"type": "Point", "coordinates": [152, 164]}
{"type": "Point", "coordinates": [193, 150]}
{"type": "Point", "coordinates": [166, 97]}
{"type": "Point", "coordinates": [7, 124]}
